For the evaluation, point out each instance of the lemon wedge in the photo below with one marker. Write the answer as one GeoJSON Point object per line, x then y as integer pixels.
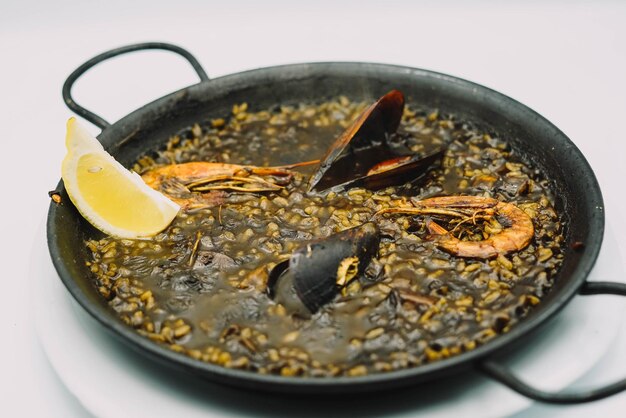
{"type": "Point", "coordinates": [111, 198]}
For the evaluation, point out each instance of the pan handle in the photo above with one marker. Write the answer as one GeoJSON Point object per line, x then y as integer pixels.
{"type": "Point", "coordinates": [92, 117]}
{"type": "Point", "coordinates": [504, 375]}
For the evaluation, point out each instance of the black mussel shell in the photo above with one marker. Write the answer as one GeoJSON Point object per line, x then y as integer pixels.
{"type": "Point", "coordinates": [397, 170]}
{"type": "Point", "coordinates": [366, 155]}
{"type": "Point", "coordinates": [310, 274]}
{"type": "Point", "coordinates": [281, 288]}
{"type": "Point", "coordinates": [368, 132]}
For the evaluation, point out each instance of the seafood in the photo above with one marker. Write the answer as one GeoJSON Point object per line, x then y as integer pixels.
{"type": "Point", "coordinates": [516, 234]}
{"type": "Point", "coordinates": [202, 184]}
{"type": "Point", "coordinates": [365, 155]}
{"type": "Point", "coordinates": [397, 170]}
{"type": "Point", "coordinates": [316, 271]}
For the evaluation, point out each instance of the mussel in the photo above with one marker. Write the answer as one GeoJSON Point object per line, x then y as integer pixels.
{"type": "Point", "coordinates": [365, 155]}
{"type": "Point", "coordinates": [317, 271]}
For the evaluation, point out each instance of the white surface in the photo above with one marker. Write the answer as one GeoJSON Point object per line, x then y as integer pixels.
{"type": "Point", "coordinates": [566, 60]}
{"type": "Point", "coordinates": [97, 368]}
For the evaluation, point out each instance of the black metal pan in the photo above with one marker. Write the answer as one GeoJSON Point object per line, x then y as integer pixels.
{"type": "Point", "coordinates": [539, 141]}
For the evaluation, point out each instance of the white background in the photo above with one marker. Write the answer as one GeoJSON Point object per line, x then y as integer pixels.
{"type": "Point", "coordinates": [566, 60]}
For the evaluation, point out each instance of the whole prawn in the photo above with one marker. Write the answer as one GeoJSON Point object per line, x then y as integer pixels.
{"type": "Point", "coordinates": [204, 184]}
{"type": "Point", "coordinates": [517, 234]}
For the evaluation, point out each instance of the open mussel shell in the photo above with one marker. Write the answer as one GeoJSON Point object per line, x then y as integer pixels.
{"type": "Point", "coordinates": [311, 277]}
{"type": "Point", "coordinates": [396, 171]}
{"type": "Point", "coordinates": [368, 132]}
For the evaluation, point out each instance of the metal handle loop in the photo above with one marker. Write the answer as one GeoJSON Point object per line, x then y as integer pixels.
{"type": "Point", "coordinates": [92, 117]}
{"type": "Point", "coordinates": [503, 375]}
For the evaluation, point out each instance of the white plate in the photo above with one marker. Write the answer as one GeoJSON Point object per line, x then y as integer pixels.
{"type": "Point", "coordinates": [111, 380]}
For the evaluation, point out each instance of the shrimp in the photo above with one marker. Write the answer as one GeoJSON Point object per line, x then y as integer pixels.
{"type": "Point", "coordinates": [204, 184]}
{"type": "Point", "coordinates": [516, 235]}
